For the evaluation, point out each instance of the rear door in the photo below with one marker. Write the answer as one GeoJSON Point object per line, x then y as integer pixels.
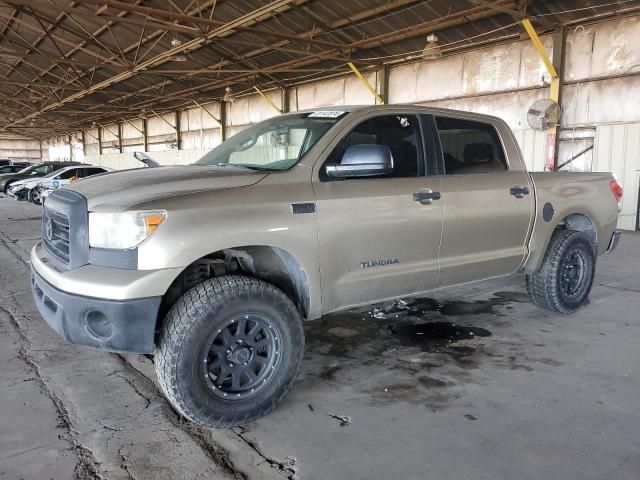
{"type": "Point", "coordinates": [375, 240]}
{"type": "Point", "coordinates": [487, 198]}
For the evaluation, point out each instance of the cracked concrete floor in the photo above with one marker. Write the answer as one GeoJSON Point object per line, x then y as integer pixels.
{"type": "Point", "coordinates": [473, 382]}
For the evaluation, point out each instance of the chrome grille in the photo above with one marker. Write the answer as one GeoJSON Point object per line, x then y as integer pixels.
{"type": "Point", "coordinates": [55, 234]}
{"type": "Point", "coordinates": [65, 228]}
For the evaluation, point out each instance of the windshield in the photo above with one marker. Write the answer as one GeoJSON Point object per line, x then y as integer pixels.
{"type": "Point", "coordinates": [275, 144]}
{"type": "Point", "coordinates": [36, 170]}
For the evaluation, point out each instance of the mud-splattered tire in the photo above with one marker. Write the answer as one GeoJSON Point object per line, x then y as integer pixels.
{"type": "Point", "coordinates": [563, 281]}
{"type": "Point", "coordinates": [229, 350]}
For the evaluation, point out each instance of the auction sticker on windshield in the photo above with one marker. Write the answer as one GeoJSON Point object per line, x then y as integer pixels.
{"type": "Point", "coordinates": [326, 114]}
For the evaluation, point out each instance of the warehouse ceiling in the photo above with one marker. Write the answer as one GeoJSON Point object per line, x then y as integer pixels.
{"type": "Point", "coordinates": [69, 65]}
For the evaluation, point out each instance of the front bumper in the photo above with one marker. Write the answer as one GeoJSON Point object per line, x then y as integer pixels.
{"type": "Point", "coordinates": [113, 325]}
{"type": "Point", "coordinates": [19, 194]}
{"type": "Point", "coordinates": [111, 309]}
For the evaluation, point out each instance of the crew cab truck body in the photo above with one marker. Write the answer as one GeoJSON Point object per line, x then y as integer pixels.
{"type": "Point", "coordinates": [213, 266]}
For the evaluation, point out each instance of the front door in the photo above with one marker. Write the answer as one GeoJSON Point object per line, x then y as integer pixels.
{"type": "Point", "coordinates": [487, 198]}
{"type": "Point", "coordinates": [375, 240]}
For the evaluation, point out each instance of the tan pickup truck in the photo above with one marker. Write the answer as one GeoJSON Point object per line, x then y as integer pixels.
{"type": "Point", "coordinates": [213, 267]}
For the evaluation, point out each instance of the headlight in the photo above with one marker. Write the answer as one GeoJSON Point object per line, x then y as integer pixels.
{"type": "Point", "coordinates": [123, 230]}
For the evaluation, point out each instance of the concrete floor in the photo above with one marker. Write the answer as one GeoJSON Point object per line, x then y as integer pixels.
{"type": "Point", "coordinates": [510, 392]}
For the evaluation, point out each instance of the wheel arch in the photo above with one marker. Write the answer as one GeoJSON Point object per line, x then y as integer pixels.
{"type": "Point", "coordinates": [577, 221]}
{"type": "Point", "coordinates": [269, 263]}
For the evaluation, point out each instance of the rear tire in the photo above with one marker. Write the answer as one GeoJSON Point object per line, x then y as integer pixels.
{"type": "Point", "coordinates": [229, 350]}
{"type": "Point", "coordinates": [563, 281]}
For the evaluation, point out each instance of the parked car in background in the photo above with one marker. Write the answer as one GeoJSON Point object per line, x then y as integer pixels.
{"type": "Point", "coordinates": [26, 189]}
{"type": "Point", "coordinates": [42, 190]}
{"type": "Point", "coordinates": [14, 168]}
{"type": "Point", "coordinates": [34, 171]}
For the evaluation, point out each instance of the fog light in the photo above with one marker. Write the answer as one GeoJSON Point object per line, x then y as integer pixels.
{"type": "Point", "coordinates": [98, 324]}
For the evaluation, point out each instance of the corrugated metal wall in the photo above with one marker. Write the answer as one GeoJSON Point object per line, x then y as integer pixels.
{"type": "Point", "coordinates": [20, 149]}
{"type": "Point", "coordinates": [617, 150]}
{"type": "Point", "coordinates": [602, 76]}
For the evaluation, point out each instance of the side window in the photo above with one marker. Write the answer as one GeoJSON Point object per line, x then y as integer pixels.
{"type": "Point", "coordinates": [72, 172]}
{"type": "Point", "coordinates": [93, 171]}
{"type": "Point", "coordinates": [42, 170]}
{"type": "Point", "coordinates": [400, 133]}
{"type": "Point", "coordinates": [470, 147]}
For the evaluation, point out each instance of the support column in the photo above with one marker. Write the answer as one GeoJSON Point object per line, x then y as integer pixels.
{"type": "Point", "coordinates": [223, 120]}
{"type": "Point", "coordinates": [557, 84]}
{"type": "Point", "coordinates": [285, 100]}
{"type": "Point", "coordinates": [384, 83]}
{"type": "Point", "coordinates": [120, 149]}
{"type": "Point", "coordinates": [99, 140]}
{"type": "Point", "coordinates": [145, 135]}
{"type": "Point", "coordinates": [178, 131]}
{"type": "Point", "coordinates": [554, 67]}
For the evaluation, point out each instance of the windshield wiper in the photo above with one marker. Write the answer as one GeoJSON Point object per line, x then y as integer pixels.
{"type": "Point", "coordinates": [229, 165]}
{"type": "Point", "coordinates": [250, 167]}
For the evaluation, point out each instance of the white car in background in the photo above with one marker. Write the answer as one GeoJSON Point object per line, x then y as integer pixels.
{"type": "Point", "coordinates": [31, 189]}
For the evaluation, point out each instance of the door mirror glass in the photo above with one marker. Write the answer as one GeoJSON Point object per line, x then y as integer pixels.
{"type": "Point", "coordinates": [363, 161]}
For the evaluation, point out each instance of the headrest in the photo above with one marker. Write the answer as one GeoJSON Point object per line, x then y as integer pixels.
{"type": "Point", "coordinates": [478, 153]}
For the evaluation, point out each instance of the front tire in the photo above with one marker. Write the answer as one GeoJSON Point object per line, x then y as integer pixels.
{"type": "Point", "coordinates": [229, 350]}
{"type": "Point", "coordinates": [563, 281]}
{"type": "Point", "coordinates": [35, 197]}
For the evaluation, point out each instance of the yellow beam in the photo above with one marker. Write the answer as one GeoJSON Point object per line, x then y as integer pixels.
{"type": "Point", "coordinates": [92, 136]}
{"type": "Point", "coordinates": [108, 130]}
{"type": "Point", "coordinates": [207, 112]}
{"type": "Point", "coordinates": [164, 120]}
{"type": "Point", "coordinates": [124, 119]}
{"type": "Point", "coordinates": [267, 99]}
{"type": "Point", "coordinates": [366, 83]}
{"type": "Point", "coordinates": [540, 47]}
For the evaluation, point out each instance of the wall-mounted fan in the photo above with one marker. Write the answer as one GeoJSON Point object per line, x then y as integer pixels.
{"type": "Point", "coordinates": [543, 114]}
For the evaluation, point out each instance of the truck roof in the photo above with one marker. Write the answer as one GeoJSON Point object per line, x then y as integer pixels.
{"type": "Point", "coordinates": [394, 107]}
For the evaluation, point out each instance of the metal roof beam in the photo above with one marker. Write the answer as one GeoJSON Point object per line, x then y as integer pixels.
{"type": "Point", "coordinates": [518, 15]}
{"type": "Point", "coordinates": [257, 13]}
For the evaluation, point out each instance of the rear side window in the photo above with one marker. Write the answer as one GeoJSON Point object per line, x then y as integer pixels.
{"type": "Point", "coordinates": [68, 174]}
{"type": "Point", "coordinates": [94, 171]}
{"type": "Point", "coordinates": [470, 147]}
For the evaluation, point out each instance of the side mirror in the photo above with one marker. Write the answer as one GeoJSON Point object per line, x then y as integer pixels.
{"type": "Point", "coordinates": [363, 161]}
{"type": "Point", "coordinates": [148, 161]}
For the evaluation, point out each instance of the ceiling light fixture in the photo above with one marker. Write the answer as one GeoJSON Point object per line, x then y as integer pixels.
{"type": "Point", "coordinates": [432, 50]}
{"type": "Point", "coordinates": [228, 95]}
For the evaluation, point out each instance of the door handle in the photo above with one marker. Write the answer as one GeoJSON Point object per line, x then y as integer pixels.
{"type": "Point", "coordinates": [519, 191]}
{"type": "Point", "coordinates": [426, 196]}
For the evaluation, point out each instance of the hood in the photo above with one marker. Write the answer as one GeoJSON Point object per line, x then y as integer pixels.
{"type": "Point", "coordinates": [27, 182]}
{"type": "Point", "coordinates": [122, 189]}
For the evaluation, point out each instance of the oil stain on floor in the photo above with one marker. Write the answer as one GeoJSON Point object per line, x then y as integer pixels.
{"type": "Point", "coordinates": [419, 350]}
